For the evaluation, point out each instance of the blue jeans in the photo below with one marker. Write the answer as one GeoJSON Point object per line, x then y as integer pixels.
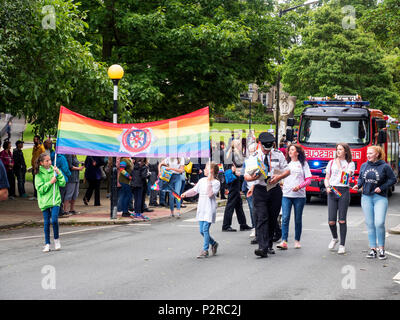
{"type": "Point", "coordinates": [53, 214]}
{"type": "Point", "coordinates": [124, 197]}
{"type": "Point", "coordinates": [251, 206]}
{"type": "Point", "coordinates": [298, 204]}
{"type": "Point", "coordinates": [205, 232]}
{"type": "Point", "coordinates": [375, 208]}
{"type": "Point", "coordinates": [175, 184]}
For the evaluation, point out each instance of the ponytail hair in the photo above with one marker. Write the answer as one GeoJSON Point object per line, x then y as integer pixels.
{"type": "Point", "coordinates": [38, 161]}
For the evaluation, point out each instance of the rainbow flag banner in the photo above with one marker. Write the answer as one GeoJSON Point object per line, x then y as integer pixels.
{"type": "Point", "coordinates": [184, 136]}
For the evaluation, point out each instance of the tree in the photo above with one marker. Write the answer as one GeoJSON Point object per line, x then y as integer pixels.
{"type": "Point", "coordinates": [183, 55]}
{"type": "Point", "coordinates": [44, 66]}
{"type": "Point", "coordinates": [332, 59]}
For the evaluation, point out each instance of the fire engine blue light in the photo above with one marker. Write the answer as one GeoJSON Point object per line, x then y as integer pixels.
{"type": "Point", "coordinates": [316, 163]}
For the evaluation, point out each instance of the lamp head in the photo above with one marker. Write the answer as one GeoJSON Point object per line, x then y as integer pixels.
{"type": "Point", "coordinates": [115, 72]}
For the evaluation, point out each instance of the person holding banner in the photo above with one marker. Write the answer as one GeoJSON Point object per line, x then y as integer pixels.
{"type": "Point", "coordinates": [48, 181]}
{"type": "Point", "coordinates": [174, 167]}
{"type": "Point", "coordinates": [337, 180]}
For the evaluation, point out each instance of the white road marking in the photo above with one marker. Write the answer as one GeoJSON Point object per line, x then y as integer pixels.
{"type": "Point", "coordinates": [61, 233]}
{"type": "Point", "coordinates": [393, 255]}
{"type": "Point", "coordinates": [397, 276]}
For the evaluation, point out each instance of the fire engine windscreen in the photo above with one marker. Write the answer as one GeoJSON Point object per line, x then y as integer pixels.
{"type": "Point", "coordinates": [351, 131]}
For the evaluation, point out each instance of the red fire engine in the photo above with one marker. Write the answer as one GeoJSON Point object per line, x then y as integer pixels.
{"type": "Point", "coordinates": [326, 122]}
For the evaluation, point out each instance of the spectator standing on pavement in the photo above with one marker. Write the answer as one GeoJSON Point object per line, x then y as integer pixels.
{"type": "Point", "coordinates": [139, 186]}
{"type": "Point", "coordinates": [93, 176]}
{"type": "Point", "coordinates": [234, 162]}
{"type": "Point", "coordinates": [8, 130]}
{"type": "Point", "coordinates": [4, 185]}
{"type": "Point", "coordinates": [37, 150]}
{"type": "Point", "coordinates": [20, 168]}
{"type": "Point", "coordinates": [153, 169]}
{"type": "Point", "coordinates": [47, 144]}
{"type": "Point", "coordinates": [177, 166]}
{"type": "Point", "coordinates": [207, 188]}
{"type": "Point", "coordinates": [72, 187]}
{"type": "Point", "coordinates": [47, 182]}
{"type": "Point", "coordinates": [294, 193]}
{"type": "Point", "coordinates": [337, 180]}
{"type": "Point", "coordinates": [125, 193]}
{"type": "Point", "coordinates": [376, 178]}
{"type": "Point", "coordinates": [221, 176]}
{"type": "Point", "coordinates": [6, 157]}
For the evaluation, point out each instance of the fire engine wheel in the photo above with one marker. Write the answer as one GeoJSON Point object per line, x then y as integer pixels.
{"type": "Point", "coordinates": [308, 198]}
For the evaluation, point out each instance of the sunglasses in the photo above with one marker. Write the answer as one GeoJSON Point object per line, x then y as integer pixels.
{"type": "Point", "coordinates": [268, 145]}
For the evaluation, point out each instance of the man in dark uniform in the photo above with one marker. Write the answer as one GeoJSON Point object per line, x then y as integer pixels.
{"type": "Point", "coordinates": [267, 193]}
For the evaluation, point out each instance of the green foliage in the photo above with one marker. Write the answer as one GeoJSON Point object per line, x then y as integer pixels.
{"type": "Point", "coordinates": [331, 59]}
{"type": "Point", "coordinates": [183, 55]}
{"type": "Point", "coordinates": [47, 68]}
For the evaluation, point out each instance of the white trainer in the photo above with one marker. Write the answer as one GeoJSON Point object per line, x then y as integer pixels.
{"type": "Point", "coordinates": [46, 248]}
{"type": "Point", "coordinates": [57, 244]}
{"type": "Point", "coordinates": [341, 250]}
{"type": "Point", "coordinates": [253, 233]}
{"type": "Point", "coordinates": [332, 244]}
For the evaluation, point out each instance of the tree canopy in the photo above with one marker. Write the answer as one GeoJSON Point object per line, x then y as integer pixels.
{"type": "Point", "coordinates": [333, 59]}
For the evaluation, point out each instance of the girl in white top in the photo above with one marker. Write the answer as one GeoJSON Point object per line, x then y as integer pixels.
{"type": "Point", "coordinates": [294, 193]}
{"type": "Point", "coordinates": [337, 180]}
{"type": "Point", "coordinates": [207, 188]}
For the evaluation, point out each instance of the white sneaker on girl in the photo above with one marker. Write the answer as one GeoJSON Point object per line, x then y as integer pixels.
{"type": "Point", "coordinates": [46, 248]}
{"type": "Point", "coordinates": [332, 244]}
{"type": "Point", "coordinates": [341, 250]}
{"type": "Point", "coordinates": [57, 244]}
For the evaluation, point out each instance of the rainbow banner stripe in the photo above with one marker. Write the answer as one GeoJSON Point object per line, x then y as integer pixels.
{"type": "Point", "coordinates": [184, 136]}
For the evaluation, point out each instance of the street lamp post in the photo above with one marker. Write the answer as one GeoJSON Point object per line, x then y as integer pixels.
{"type": "Point", "coordinates": [115, 72]}
{"type": "Point", "coordinates": [278, 81]}
{"type": "Point", "coordinates": [250, 94]}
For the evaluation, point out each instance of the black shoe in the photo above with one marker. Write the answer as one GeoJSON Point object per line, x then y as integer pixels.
{"type": "Point", "coordinates": [271, 251]}
{"type": "Point", "coordinates": [230, 229]}
{"type": "Point", "coordinates": [183, 206]}
{"type": "Point", "coordinates": [261, 253]}
{"type": "Point", "coordinates": [85, 201]}
{"type": "Point", "coordinates": [148, 210]}
{"type": "Point", "coordinates": [254, 241]}
{"type": "Point", "coordinates": [372, 254]}
{"type": "Point", "coordinates": [126, 215]}
{"type": "Point", "coordinates": [245, 227]}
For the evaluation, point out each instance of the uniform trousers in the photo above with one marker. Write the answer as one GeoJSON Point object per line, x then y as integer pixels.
{"type": "Point", "coordinates": [267, 205]}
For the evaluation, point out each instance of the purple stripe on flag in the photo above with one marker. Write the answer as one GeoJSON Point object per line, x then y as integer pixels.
{"type": "Point", "coordinates": [102, 153]}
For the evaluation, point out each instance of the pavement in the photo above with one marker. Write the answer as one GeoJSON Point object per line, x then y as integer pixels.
{"type": "Point", "coordinates": [23, 212]}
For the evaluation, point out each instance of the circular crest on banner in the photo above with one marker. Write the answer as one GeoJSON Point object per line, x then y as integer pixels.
{"type": "Point", "coordinates": [136, 140]}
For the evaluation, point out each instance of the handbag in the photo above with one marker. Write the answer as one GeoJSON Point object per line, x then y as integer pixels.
{"type": "Point", "coordinates": [229, 176]}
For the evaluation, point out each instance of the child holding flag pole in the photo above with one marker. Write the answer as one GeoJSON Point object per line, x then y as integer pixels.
{"type": "Point", "coordinates": [337, 179]}
{"type": "Point", "coordinates": [207, 188]}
